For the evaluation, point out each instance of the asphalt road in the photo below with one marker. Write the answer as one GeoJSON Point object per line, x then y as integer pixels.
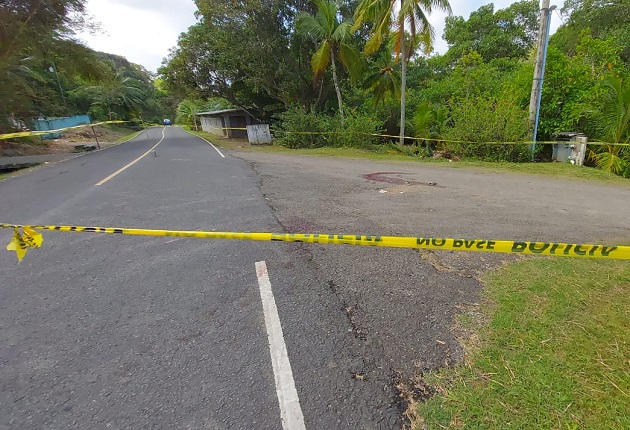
{"type": "Point", "coordinates": [133, 332]}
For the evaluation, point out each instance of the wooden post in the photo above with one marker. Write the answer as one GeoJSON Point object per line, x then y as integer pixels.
{"type": "Point", "coordinates": [96, 137]}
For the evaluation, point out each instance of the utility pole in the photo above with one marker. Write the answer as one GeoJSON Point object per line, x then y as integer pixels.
{"type": "Point", "coordinates": [539, 68]}
{"type": "Point", "coordinates": [54, 69]}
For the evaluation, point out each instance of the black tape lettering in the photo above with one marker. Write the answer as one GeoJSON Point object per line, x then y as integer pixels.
{"type": "Point", "coordinates": [73, 228]}
{"type": "Point", "coordinates": [491, 244]}
{"type": "Point", "coordinates": [435, 241]}
{"type": "Point", "coordinates": [567, 249]}
{"type": "Point", "coordinates": [579, 251]}
{"type": "Point", "coordinates": [554, 246]}
{"type": "Point", "coordinates": [480, 244]}
{"type": "Point", "coordinates": [469, 243]}
{"type": "Point", "coordinates": [519, 246]}
{"type": "Point", "coordinates": [458, 243]}
{"type": "Point", "coordinates": [422, 241]}
{"type": "Point", "coordinates": [532, 247]}
{"type": "Point", "coordinates": [606, 251]}
{"type": "Point", "coordinates": [117, 230]}
{"type": "Point", "coordinates": [593, 249]}
{"type": "Point", "coordinates": [373, 239]}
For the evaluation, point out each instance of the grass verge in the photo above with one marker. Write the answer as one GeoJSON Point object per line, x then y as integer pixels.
{"type": "Point", "coordinates": [553, 351]}
{"type": "Point", "coordinates": [391, 153]}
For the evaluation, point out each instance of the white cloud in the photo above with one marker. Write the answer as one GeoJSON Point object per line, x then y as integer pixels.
{"type": "Point", "coordinates": [140, 30]}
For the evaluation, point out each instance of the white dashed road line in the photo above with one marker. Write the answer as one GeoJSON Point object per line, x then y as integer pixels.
{"type": "Point", "coordinates": [122, 169]}
{"type": "Point", "coordinates": [290, 410]}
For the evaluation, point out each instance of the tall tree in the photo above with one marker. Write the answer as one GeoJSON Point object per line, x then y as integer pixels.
{"type": "Point", "coordinates": [30, 32]}
{"type": "Point", "coordinates": [506, 33]}
{"type": "Point", "coordinates": [333, 37]}
{"type": "Point", "coordinates": [118, 96]}
{"type": "Point", "coordinates": [383, 79]}
{"type": "Point", "coordinates": [606, 19]}
{"type": "Point", "coordinates": [246, 52]}
{"type": "Point", "coordinates": [384, 17]}
{"type": "Point", "coordinates": [34, 23]}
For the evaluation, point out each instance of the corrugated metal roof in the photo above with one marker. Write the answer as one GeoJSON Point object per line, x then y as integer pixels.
{"type": "Point", "coordinates": [218, 112]}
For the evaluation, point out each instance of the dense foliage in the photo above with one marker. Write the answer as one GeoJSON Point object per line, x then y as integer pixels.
{"type": "Point", "coordinates": [44, 72]}
{"type": "Point", "coordinates": [342, 66]}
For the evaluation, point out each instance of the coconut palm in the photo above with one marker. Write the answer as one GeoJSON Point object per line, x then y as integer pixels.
{"type": "Point", "coordinates": [385, 17]}
{"type": "Point", "coordinates": [333, 37]}
{"type": "Point", "coordinates": [611, 120]}
{"type": "Point", "coordinates": [383, 79]}
{"type": "Point", "coordinates": [117, 92]}
{"type": "Point", "coordinates": [186, 112]}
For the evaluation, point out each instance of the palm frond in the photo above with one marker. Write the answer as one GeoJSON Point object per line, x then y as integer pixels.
{"type": "Point", "coordinates": [308, 25]}
{"type": "Point", "coordinates": [342, 32]}
{"type": "Point", "coordinates": [320, 60]}
{"type": "Point", "coordinates": [326, 15]}
{"type": "Point", "coordinates": [352, 60]}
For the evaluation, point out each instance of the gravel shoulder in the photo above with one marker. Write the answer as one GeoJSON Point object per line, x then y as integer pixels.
{"type": "Point", "coordinates": [400, 304]}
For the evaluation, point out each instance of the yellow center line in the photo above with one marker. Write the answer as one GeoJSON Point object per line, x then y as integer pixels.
{"type": "Point", "coordinates": [122, 169]}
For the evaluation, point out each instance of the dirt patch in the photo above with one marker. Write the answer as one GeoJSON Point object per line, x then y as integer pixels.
{"type": "Point", "coordinates": [78, 140]}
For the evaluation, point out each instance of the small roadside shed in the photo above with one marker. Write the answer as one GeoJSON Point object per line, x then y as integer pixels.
{"type": "Point", "coordinates": [226, 122]}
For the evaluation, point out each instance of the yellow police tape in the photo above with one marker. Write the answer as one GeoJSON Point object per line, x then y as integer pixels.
{"type": "Point", "coordinates": [429, 140]}
{"type": "Point", "coordinates": [59, 130]}
{"type": "Point", "coordinates": [30, 238]}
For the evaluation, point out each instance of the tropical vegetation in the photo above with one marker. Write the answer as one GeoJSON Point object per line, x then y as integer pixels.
{"type": "Point", "coordinates": [46, 72]}
{"type": "Point", "coordinates": [351, 68]}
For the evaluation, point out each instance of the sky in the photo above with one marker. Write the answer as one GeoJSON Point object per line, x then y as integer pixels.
{"type": "Point", "coordinates": [144, 30]}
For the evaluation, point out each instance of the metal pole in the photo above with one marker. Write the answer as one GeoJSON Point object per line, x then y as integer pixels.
{"type": "Point", "coordinates": [538, 67]}
{"type": "Point", "coordinates": [542, 78]}
{"type": "Point", "coordinates": [63, 97]}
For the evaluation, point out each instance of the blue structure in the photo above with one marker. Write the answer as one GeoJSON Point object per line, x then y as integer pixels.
{"type": "Point", "coordinates": [57, 123]}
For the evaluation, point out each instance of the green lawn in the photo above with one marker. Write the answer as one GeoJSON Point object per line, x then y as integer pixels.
{"type": "Point", "coordinates": [551, 349]}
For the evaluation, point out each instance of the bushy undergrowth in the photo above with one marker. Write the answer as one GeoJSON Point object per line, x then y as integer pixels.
{"type": "Point", "coordinates": [475, 122]}
{"type": "Point", "coordinates": [299, 128]}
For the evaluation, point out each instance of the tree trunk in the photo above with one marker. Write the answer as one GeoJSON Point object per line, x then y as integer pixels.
{"type": "Point", "coordinates": [334, 70]}
{"type": "Point", "coordinates": [403, 79]}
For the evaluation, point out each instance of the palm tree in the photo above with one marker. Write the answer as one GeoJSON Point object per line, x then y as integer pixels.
{"type": "Point", "coordinates": [385, 17]}
{"type": "Point", "coordinates": [117, 91]}
{"type": "Point", "coordinates": [611, 120]}
{"type": "Point", "coordinates": [333, 37]}
{"type": "Point", "coordinates": [383, 79]}
{"type": "Point", "coordinates": [186, 112]}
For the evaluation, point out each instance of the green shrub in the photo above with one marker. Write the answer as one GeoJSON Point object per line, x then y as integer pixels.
{"type": "Point", "coordinates": [357, 128]}
{"type": "Point", "coordinates": [299, 128]}
{"type": "Point", "coordinates": [477, 120]}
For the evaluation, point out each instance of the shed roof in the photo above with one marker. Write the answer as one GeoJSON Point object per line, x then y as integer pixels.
{"type": "Point", "coordinates": [219, 112]}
